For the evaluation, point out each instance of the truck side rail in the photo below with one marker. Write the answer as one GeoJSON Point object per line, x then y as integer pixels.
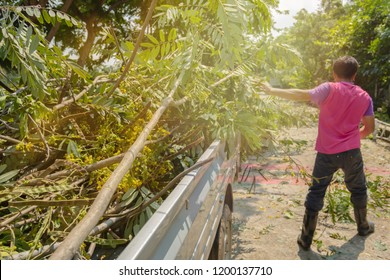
{"type": "Point", "coordinates": [184, 226]}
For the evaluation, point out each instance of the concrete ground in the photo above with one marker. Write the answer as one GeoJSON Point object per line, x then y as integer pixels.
{"type": "Point", "coordinates": [268, 207]}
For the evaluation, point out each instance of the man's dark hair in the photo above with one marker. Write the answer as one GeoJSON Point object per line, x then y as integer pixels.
{"type": "Point", "coordinates": [345, 67]}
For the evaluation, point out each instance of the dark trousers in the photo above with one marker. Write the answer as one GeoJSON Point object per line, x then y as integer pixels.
{"type": "Point", "coordinates": [351, 162]}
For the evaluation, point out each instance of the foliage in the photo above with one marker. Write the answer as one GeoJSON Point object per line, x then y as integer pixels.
{"type": "Point", "coordinates": [64, 131]}
{"type": "Point", "coordinates": [371, 25]}
{"type": "Point", "coordinates": [94, 16]}
{"type": "Point", "coordinates": [339, 206]}
{"type": "Point", "coordinates": [359, 28]}
{"type": "Point", "coordinates": [311, 36]}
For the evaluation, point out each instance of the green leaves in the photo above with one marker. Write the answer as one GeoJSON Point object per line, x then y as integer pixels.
{"type": "Point", "coordinates": [359, 28]}
{"type": "Point", "coordinates": [34, 44]}
{"type": "Point", "coordinates": [205, 40]}
{"type": "Point", "coordinates": [31, 59]}
{"type": "Point", "coordinates": [135, 224]}
{"type": "Point", "coordinates": [73, 149]}
{"type": "Point", "coordinates": [8, 175]}
{"type": "Point", "coordinates": [159, 48]}
{"type": "Point", "coordinates": [46, 15]}
{"type": "Point", "coordinates": [129, 197]}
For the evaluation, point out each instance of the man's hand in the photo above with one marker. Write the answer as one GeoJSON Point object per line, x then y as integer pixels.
{"type": "Point", "coordinates": [368, 126]}
{"type": "Point", "coordinates": [265, 87]}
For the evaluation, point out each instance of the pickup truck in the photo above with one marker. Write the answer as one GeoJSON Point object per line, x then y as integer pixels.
{"type": "Point", "coordinates": [195, 220]}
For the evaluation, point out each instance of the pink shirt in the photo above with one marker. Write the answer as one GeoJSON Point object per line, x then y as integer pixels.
{"type": "Point", "coordinates": [342, 106]}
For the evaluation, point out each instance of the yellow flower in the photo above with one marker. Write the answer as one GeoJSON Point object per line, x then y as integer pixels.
{"type": "Point", "coordinates": [136, 183]}
{"type": "Point", "coordinates": [29, 146]}
{"type": "Point", "coordinates": [70, 157]}
{"type": "Point", "coordinates": [20, 146]}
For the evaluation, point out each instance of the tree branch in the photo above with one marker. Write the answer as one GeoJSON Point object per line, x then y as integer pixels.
{"type": "Point", "coordinates": [42, 138]}
{"type": "Point", "coordinates": [77, 236]}
{"type": "Point", "coordinates": [189, 146]}
{"type": "Point", "coordinates": [135, 210]}
{"type": "Point", "coordinates": [7, 125]}
{"type": "Point", "coordinates": [78, 96]}
{"type": "Point", "coordinates": [136, 47]}
{"type": "Point", "coordinates": [138, 116]}
{"type": "Point", "coordinates": [6, 87]}
{"type": "Point", "coordinates": [55, 28]}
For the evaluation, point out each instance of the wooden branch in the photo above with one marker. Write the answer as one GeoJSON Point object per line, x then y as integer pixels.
{"type": "Point", "coordinates": [74, 116]}
{"type": "Point", "coordinates": [14, 217]}
{"type": "Point", "coordinates": [136, 210]}
{"type": "Point", "coordinates": [16, 141]}
{"type": "Point", "coordinates": [6, 87]}
{"type": "Point", "coordinates": [19, 214]}
{"type": "Point", "coordinates": [77, 236]}
{"type": "Point", "coordinates": [180, 101]}
{"type": "Point", "coordinates": [7, 125]}
{"type": "Point", "coordinates": [117, 44]}
{"type": "Point", "coordinates": [39, 177]}
{"type": "Point", "coordinates": [91, 249]}
{"type": "Point", "coordinates": [188, 136]}
{"type": "Point", "coordinates": [27, 221]}
{"type": "Point", "coordinates": [10, 139]}
{"type": "Point", "coordinates": [223, 79]}
{"type": "Point", "coordinates": [88, 168]}
{"type": "Point", "coordinates": [19, 91]}
{"type": "Point", "coordinates": [45, 250]}
{"type": "Point", "coordinates": [42, 138]}
{"type": "Point", "coordinates": [44, 203]}
{"type": "Point", "coordinates": [78, 96]}
{"type": "Point", "coordinates": [189, 146]}
{"type": "Point", "coordinates": [136, 47]}
{"type": "Point", "coordinates": [141, 114]}
{"type": "Point", "coordinates": [104, 163]}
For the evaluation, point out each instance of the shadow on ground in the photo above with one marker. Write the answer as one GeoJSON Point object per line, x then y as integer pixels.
{"type": "Point", "coordinates": [348, 251]}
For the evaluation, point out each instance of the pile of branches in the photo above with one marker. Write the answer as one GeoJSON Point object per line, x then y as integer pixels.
{"type": "Point", "coordinates": [50, 191]}
{"type": "Point", "coordinates": [42, 207]}
{"type": "Point", "coordinates": [87, 159]}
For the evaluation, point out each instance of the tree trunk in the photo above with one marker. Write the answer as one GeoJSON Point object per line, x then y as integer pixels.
{"type": "Point", "coordinates": [91, 25]}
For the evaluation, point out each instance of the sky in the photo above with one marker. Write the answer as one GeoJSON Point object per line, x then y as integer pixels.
{"type": "Point", "coordinates": [293, 6]}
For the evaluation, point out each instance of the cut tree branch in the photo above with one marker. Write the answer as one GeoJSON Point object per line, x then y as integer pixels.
{"type": "Point", "coordinates": [135, 210]}
{"type": "Point", "coordinates": [77, 236]}
{"type": "Point", "coordinates": [78, 96]}
{"type": "Point", "coordinates": [42, 138]}
{"type": "Point", "coordinates": [136, 47]}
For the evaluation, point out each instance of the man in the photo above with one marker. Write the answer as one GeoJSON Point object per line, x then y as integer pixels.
{"type": "Point", "coordinates": [343, 106]}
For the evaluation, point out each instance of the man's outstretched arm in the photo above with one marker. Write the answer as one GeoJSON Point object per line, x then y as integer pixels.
{"type": "Point", "coordinates": [290, 94]}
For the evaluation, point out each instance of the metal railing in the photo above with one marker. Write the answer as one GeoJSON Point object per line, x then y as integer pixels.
{"type": "Point", "coordinates": [382, 130]}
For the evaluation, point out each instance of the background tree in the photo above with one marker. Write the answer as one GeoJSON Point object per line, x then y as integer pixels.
{"type": "Point", "coordinates": [368, 39]}
{"type": "Point", "coordinates": [359, 28]}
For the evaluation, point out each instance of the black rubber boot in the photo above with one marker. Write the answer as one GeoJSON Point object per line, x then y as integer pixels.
{"type": "Point", "coordinates": [308, 228]}
{"type": "Point", "coordinates": [363, 226]}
